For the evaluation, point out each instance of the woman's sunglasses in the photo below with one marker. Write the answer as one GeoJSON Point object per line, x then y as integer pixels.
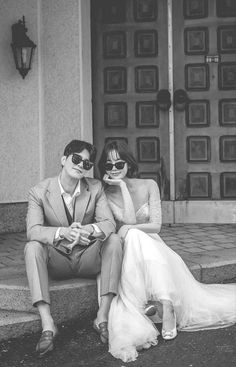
{"type": "Point", "coordinates": [119, 165]}
{"type": "Point", "coordinates": [77, 159]}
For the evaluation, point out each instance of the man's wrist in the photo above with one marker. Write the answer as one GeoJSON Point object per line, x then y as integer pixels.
{"type": "Point", "coordinates": [93, 230]}
{"type": "Point", "coordinates": [61, 233]}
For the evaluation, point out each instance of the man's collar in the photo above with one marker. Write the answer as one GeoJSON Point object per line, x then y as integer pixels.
{"type": "Point", "coordinates": [76, 192]}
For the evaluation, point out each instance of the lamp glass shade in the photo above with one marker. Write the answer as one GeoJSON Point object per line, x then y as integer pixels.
{"type": "Point", "coordinates": [23, 58]}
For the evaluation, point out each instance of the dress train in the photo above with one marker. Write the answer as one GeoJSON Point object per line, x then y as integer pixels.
{"type": "Point", "coordinates": [152, 271]}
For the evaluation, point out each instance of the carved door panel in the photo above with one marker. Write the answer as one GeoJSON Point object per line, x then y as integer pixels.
{"type": "Point", "coordinates": [129, 56]}
{"type": "Point", "coordinates": [130, 78]}
{"type": "Point", "coordinates": [205, 69]}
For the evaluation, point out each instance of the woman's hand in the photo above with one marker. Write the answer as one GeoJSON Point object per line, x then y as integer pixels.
{"type": "Point", "coordinates": [113, 181]}
{"type": "Point", "coordinates": [124, 230]}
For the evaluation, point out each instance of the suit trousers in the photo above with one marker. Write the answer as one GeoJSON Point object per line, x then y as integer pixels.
{"type": "Point", "coordinates": [43, 261]}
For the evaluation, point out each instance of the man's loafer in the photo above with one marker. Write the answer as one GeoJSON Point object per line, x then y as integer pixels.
{"type": "Point", "coordinates": [102, 330]}
{"type": "Point", "coordinates": [45, 343]}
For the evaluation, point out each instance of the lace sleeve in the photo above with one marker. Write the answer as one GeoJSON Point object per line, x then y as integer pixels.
{"type": "Point", "coordinates": [154, 203]}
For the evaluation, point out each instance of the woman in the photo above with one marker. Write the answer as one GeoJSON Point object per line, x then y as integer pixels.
{"type": "Point", "coordinates": [151, 271]}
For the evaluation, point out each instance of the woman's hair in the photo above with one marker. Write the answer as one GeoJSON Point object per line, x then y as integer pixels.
{"type": "Point", "coordinates": [125, 154]}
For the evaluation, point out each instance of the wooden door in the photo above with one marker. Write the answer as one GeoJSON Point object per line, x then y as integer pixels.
{"type": "Point", "coordinates": [204, 65]}
{"type": "Point", "coordinates": [130, 68]}
{"type": "Point", "coordinates": [130, 73]}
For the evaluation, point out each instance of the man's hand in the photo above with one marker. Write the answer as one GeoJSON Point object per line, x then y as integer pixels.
{"type": "Point", "coordinates": [80, 235]}
{"type": "Point", "coordinates": [70, 233]}
{"type": "Point", "coordinates": [89, 228]}
{"type": "Point", "coordinates": [77, 234]}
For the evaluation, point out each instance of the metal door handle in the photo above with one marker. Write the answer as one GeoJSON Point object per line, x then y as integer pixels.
{"type": "Point", "coordinates": [181, 99]}
{"type": "Point", "coordinates": [163, 99]}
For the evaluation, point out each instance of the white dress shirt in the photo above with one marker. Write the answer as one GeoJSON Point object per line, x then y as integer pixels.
{"type": "Point", "coordinates": [69, 202]}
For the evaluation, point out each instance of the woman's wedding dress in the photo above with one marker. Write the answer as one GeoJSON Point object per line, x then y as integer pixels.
{"type": "Point", "coordinates": [152, 271]}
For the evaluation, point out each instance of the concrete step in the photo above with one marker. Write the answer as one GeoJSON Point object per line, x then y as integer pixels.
{"type": "Point", "coordinates": [77, 298]}
{"type": "Point", "coordinates": [74, 298]}
{"type": "Point", "coordinates": [216, 267]}
{"type": "Point", "coordinates": [70, 299]}
{"type": "Point", "coordinates": [14, 324]}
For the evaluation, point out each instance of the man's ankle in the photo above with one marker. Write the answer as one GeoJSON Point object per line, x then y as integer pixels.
{"type": "Point", "coordinates": [50, 326]}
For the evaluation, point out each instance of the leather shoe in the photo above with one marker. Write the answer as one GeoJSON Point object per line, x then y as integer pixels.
{"type": "Point", "coordinates": [102, 330]}
{"type": "Point", "coordinates": [45, 343]}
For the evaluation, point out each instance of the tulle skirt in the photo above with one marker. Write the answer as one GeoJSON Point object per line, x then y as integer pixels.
{"type": "Point", "coordinates": [152, 271]}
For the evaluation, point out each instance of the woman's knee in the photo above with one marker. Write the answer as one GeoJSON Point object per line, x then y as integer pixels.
{"type": "Point", "coordinates": [132, 233]}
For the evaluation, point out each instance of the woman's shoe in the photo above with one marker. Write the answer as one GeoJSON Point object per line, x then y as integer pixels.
{"type": "Point", "coordinates": [150, 310]}
{"type": "Point", "coordinates": [169, 334]}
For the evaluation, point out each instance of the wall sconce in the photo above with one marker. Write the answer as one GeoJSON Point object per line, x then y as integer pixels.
{"type": "Point", "coordinates": [22, 47]}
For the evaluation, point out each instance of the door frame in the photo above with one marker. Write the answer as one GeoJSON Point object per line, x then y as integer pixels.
{"type": "Point", "coordinates": [84, 60]}
{"type": "Point", "coordinates": [188, 211]}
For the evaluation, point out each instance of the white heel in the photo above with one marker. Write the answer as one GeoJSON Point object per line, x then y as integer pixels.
{"type": "Point", "coordinates": [169, 334]}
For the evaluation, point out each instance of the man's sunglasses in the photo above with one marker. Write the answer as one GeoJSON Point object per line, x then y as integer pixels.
{"type": "Point", "coordinates": [77, 159]}
{"type": "Point", "coordinates": [119, 165]}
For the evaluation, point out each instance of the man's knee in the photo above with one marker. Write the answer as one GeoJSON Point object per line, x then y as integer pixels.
{"type": "Point", "coordinates": [33, 248]}
{"type": "Point", "coordinates": [113, 244]}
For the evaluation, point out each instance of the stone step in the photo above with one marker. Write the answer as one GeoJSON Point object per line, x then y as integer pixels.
{"type": "Point", "coordinates": [77, 298]}
{"type": "Point", "coordinates": [74, 298]}
{"type": "Point", "coordinates": [71, 299]}
{"type": "Point", "coordinates": [14, 324]}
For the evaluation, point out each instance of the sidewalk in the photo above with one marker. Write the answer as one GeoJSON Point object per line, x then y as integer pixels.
{"type": "Point", "coordinates": [209, 251]}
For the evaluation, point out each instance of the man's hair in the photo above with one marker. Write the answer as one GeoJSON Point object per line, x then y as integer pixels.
{"type": "Point", "coordinates": [125, 154]}
{"type": "Point", "coordinates": [76, 146]}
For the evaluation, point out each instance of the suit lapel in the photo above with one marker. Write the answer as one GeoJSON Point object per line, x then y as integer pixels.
{"type": "Point", "coordinates": [56, 202]}
{"type": "Point", "coordinates": [82, 201]}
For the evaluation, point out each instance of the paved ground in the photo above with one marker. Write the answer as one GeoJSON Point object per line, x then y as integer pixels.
{"type": "Point", "coordinates": [79, 346]}
{"type": "Point", "coordinates": [197, 243]}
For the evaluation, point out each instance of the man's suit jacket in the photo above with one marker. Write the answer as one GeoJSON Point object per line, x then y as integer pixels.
{"type": "Point", "coordinates": [46, 211]}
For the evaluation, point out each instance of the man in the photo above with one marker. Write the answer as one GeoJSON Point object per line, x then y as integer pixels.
{"type": "Point", "coordinates": [70, 231]}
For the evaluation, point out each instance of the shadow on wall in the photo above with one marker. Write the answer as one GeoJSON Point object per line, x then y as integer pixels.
{"type": "Point", "coordinates": [164, 184]}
